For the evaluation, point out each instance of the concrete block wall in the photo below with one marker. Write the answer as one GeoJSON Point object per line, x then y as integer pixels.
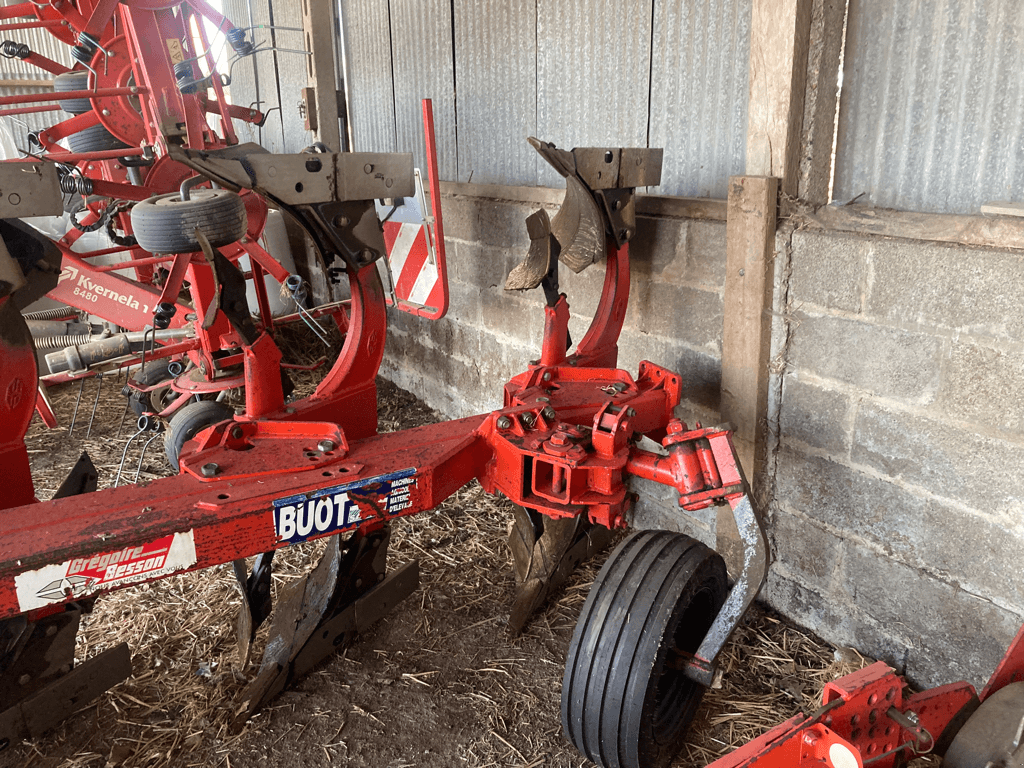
{"type": "Point", "coordinates": [459, 364]}
{"type": "Point", "coordinates": [897, 519]}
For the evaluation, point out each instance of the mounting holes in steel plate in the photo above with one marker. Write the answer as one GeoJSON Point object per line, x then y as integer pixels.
{"type": "Point", "coordinates": [223, 496]}
{"type": "Point", "coordinates": [298, 186]}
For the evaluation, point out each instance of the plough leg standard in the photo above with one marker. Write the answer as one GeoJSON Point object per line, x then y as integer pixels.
{"type": "Point", "coordinates": [288, 472]}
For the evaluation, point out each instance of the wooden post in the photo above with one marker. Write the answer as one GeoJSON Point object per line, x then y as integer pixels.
{"type": "Point", "coordinates": [746, 336]}
{"type": "Point", "coordinates": [318, 32]}
{"type": "Point", "coordinates": [779, 39]}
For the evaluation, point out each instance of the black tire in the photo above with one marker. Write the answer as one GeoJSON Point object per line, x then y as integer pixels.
{"type": "Point", "coordinates": [189, 420]}
{"type": "Point", "coordinates": [624, 703]}
{"type": "Point", "coordinates": [78, 80]}
{"type": "Point", "coordinates": [155, 400]}
{"type": "Point", "coordinates": [166, 223]}
{"type": "Point", "coordinates": [95, 138]}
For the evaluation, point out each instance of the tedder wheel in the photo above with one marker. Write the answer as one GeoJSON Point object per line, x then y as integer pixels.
{"type": "Point", "coordinates": [95, 138]}
{"type": "Point", "coordinates": [155, 400]}
{"type": "Point", "coordinates": [78, 80]}
{"type": "Point", "coordinates": [189, 420]}
{"type": "Point", "coordinates": [167, 224]}
{"type": "Point", "coordinates": [626, 701]}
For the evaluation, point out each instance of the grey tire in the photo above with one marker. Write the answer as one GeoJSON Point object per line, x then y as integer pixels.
{"type": "Point", "coordinates": [76, 80]}
{"type": "Point", "coordinates": [167, 224]}
{"type": "Point", "coordinates": [626, 702]}
{"type": "Point", "coordinates": [95, 138]}
{"type": "Point", "coordinates": [188, 421]}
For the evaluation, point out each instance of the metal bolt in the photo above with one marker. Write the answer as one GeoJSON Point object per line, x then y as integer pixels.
{"type": "Point", "coordinates": [528, 419]}
{"type": "Point", "coordinates": [631, 412]}
{"type": "Point", "coordinates": [546, 376]}
{"type": "Point", "coordinates": [368, 168]}
{"type": "Point", "coordinates": [503, 422]}
{"type": "Point", "coordinates": [742, 272]}
{"type": "Point", "coordinates": [106, 113]}
{"type": "Point", "coordinates": [236, 433]}
{"type": "Point", "coordinates": [325, 445]}
{"type": "Point", "coordinates": [209, 470]}
{"type": "Point", "coordinates": [548, 412]}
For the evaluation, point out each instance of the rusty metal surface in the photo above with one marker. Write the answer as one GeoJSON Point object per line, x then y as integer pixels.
{"type": "Point", "coordinates": [366, 37]}
{"type": "Point", "coordinates": [756, 559]}
{"type": "Point", "coordinates": [593, 74]}
{"type": "Point", "coordinates": [930, 115]}
{"type": "Point", "coordinates": [421, 36]}
{"type": "Point", "coordinates": [32, 717]}
{"type": "Point", "coordinates": [497, 104]}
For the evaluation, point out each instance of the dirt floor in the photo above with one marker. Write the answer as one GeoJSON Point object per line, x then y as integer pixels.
{"type": "Point", "coordinates": [436, 683]}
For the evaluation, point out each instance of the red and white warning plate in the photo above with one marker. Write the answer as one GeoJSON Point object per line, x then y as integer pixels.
{"type": "Point", "coordinates": [414, 275]}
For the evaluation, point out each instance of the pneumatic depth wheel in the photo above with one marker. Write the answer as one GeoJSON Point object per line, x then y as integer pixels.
{"type": "Point", "coordinates": [76, 80]}
{"type": "Point", "coordinates": [95, 138]}
{"type": "Point", "coordinates": [167, 224]}
{"type": "Point", "coordinates": [188, 421]}
{"type": "Point", "coordinates": [626, 702]}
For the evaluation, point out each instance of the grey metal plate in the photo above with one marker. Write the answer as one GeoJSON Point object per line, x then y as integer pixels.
{"type": "Point", "coordinates": [29, 189]}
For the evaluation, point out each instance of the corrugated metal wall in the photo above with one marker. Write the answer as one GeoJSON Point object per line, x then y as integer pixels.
{"type": "Point", "coordinates": [370, 82]}
{"type": "Point", "coordinates": [497, 103]}
{"type": "Point", "coordinates": [271, 80]}
{"type": "Point", "coordinates": [699, 85]}
{"type": "Point", "coordinates": [665, 73]}
{"type": "Point", "coordinates": [41, 42]}
{"type": "Point", "coordinates": [932, 106]}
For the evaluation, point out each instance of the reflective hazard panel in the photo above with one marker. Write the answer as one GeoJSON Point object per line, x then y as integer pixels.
{"type": "Point", "coordinates": [414, 277]}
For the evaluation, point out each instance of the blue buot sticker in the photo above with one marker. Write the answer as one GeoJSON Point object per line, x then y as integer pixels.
{"type": "Point", "coordinates": [298, 517]}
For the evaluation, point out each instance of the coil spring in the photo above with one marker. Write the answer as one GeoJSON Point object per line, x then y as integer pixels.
{"type": "Point", "coordinates": [57, 313]}
{"type": "Point", "coordinates": [86, 48]}
{"type": "Point", "coordinates": [75, 185]}
{"type": "Point", "coordinates": [239, 44]}
{"type": "Point", "coordinates": [11, 50]}
{"type": "Point", "coordinates": [61, 342]}
{"type": "Point", "coordinates": [184, 75]}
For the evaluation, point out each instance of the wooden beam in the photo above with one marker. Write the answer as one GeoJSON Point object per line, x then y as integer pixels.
{"type": "Point", "coordinates": [646, 205]}
{"type": "Point", "coordinates": [779, 38]}
{"type": "Point", "coordinates": [746, 335]}
{"type": "Point", "coordinates": [318, 33]}
{"type": "Point", "coordinates": [979, 231]}
{"type": "Point", "coordinates": [819, 121]}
